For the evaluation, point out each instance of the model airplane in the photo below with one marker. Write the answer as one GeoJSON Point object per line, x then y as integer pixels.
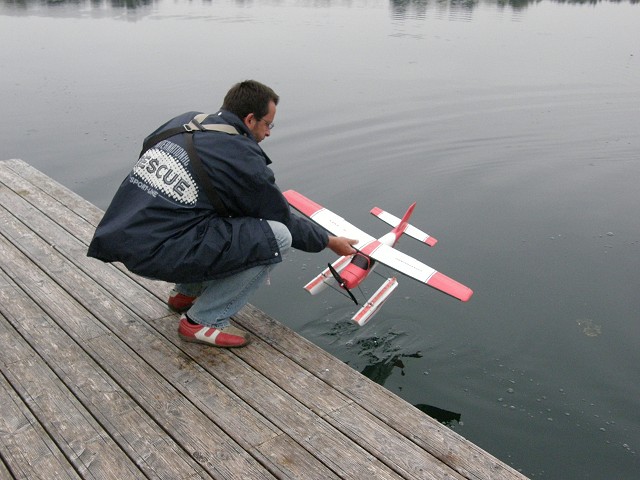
{"type": "Point", "coordinates": [349, 271]}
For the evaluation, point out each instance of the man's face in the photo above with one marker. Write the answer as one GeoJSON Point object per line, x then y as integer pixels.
{"type": "Point", "coordinates": [260, 128]}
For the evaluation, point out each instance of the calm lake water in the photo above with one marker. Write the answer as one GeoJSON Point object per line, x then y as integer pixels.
{"type": "Point", "coordinates": [515, 126]}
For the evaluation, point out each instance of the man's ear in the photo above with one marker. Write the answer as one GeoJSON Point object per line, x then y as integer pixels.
{"type": "Point", "coordinates": [249, 120]}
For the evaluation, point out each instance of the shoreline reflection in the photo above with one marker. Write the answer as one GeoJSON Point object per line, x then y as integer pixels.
{"type": "Point", "coordinates": [400, 9]}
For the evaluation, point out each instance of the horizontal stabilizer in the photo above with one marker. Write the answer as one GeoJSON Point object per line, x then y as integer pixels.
{"type": "Point", "coordinates": [376, 301]}
{"type": "Point", "coordinates": [410, 230]}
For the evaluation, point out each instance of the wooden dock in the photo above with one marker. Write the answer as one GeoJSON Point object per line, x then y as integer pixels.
{"type": "Point", "coordinates": [95, 382]}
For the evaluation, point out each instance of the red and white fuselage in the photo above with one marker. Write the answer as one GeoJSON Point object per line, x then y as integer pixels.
{"type": "Point", "coordinates": [361, 264]}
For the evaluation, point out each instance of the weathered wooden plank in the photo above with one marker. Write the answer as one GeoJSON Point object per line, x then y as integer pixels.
{"type": "Point", "coordinates": [352, 410]}
{"type": "Point", "coordinates": [449, 447]}
{"type": "Point", "coordinates": [306, 388]}
{"type": "Point", "coordinates": [86, 446]}
{"type": "Point", "coordinates": [173, 363]}
{"type": "Point", "coordinates": [49, 200]}
{"type": "Point", "coordinates": [326, 444]}
{"type": "Point", "coordinates": [366, 430]}
{"type": "Point", "coordinates": [24, 444]}
{"type": "Point", "coordinates": [382, 441]}
{"type": "Point", "coordinates": [306, 428]}
{"type": "Point", "coordinates": [73, 202]}
{"type": "Point", "coordinates": [110, 312]}
{"type": "Point", "coordinates": [162, 402]}
{"type": "Point", "coordinates": [60, 227]}
{"type": "Point", "coordinates": [143, 440]}
{"type": "Point", "coordinates": [230, 410]}
{"type": "Point", "coordinates": [61, 205]}
{"type": "Point", "coordinates": [290, 461]}
{"type": "Point", "coordinates": [5, 473]}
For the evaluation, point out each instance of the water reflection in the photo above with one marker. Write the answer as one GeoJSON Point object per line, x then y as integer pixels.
{"type": "Point", "coordinates": [381, 370]}
{"type": "Point", "coordinates": [77, 8]}
{"type": "Point", "coordinates": [418, 9]}
{"type": "Point", "coordinates": [445, 417]}
{"type": "Point", "coordinates": [401, 9]}
{"type": "Point", "coordinates": [116, 4]}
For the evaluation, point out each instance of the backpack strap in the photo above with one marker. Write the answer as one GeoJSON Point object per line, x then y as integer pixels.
{"type": "Point", "coordinates": [192, 126]}
{"type": "Point", "coordinates": [187, 129]}
{"type": "Point", "coordinates": [205, 181]}
{"type": "Point", "coordinates": [214, 127]}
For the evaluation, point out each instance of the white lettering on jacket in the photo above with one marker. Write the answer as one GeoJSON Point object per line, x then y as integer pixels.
{"type": "Point", "coordinates": [161, 169]}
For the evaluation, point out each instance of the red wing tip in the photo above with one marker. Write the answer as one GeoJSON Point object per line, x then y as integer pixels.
{"type": "Point", "coordinates": [468, 295]}
{"type": "Point", "coordinates": [450, 286]}
{"type": "Point", "coordinates": [300, 202]}
{"type": "Point", "coordinates": [376, 211]}
{"type": "Point", "coordinates": [431, 241]}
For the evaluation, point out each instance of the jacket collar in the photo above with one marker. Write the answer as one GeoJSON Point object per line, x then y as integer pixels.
{"type": "Point", "coordinates": [225, 116]}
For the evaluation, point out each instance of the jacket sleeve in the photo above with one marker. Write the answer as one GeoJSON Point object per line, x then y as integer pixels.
{"type": "Point", "coordinates": [270, 204]}
{"type": "Point", "coordinates": [307, 236]}
{"type": "Point", "coordinates": [248, 188]}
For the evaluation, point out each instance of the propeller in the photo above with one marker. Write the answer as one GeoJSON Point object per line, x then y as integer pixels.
{"type": "Point", "coordinates": [341, 282]}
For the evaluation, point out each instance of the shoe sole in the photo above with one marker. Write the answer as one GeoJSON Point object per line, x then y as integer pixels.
{"type": "Point", "coordinates": [195, 340]}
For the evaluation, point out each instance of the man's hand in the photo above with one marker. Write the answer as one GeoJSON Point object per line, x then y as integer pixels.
{"type": "Point", "coordinates": [341, 245]}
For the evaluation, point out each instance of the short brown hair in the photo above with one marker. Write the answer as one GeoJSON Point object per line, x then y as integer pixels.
{"type": "Point", "coordinates": [248, 97]}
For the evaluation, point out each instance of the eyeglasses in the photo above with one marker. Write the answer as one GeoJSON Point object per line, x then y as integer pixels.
{"type": "Point", "coordinates": [267, 123]}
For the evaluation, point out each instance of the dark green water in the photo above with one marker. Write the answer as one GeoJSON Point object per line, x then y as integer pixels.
{"type": "Point", "coordinates": [514, 126]}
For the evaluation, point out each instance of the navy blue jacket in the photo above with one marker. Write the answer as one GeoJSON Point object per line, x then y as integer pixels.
{"type": "Point", "coordinates": [160, 223]}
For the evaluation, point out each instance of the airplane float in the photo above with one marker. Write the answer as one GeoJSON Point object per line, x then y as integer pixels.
{"type": "Point", "coordinates": [349, 271]}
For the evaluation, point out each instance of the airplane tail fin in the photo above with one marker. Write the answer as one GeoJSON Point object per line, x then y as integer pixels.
{"type": "Point", "coordinates": [404, 223]}
{"type": "Point", "coordinates": [401, 226]}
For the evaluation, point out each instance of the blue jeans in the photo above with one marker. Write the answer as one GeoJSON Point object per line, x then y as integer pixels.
{"type": "Point", "coordinates": [221, 298]}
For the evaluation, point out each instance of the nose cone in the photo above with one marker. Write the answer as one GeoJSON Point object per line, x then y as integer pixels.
{"type": "Point", "coordinates": [352, 276]}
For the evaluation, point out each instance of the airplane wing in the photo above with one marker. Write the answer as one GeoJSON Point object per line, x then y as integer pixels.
{"type": "Point", "coordinates": [417, 270]}
{"type": "Point", "coordinates": [334, 224]}
{"type": "Point", "coordinates": [384, 254]}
